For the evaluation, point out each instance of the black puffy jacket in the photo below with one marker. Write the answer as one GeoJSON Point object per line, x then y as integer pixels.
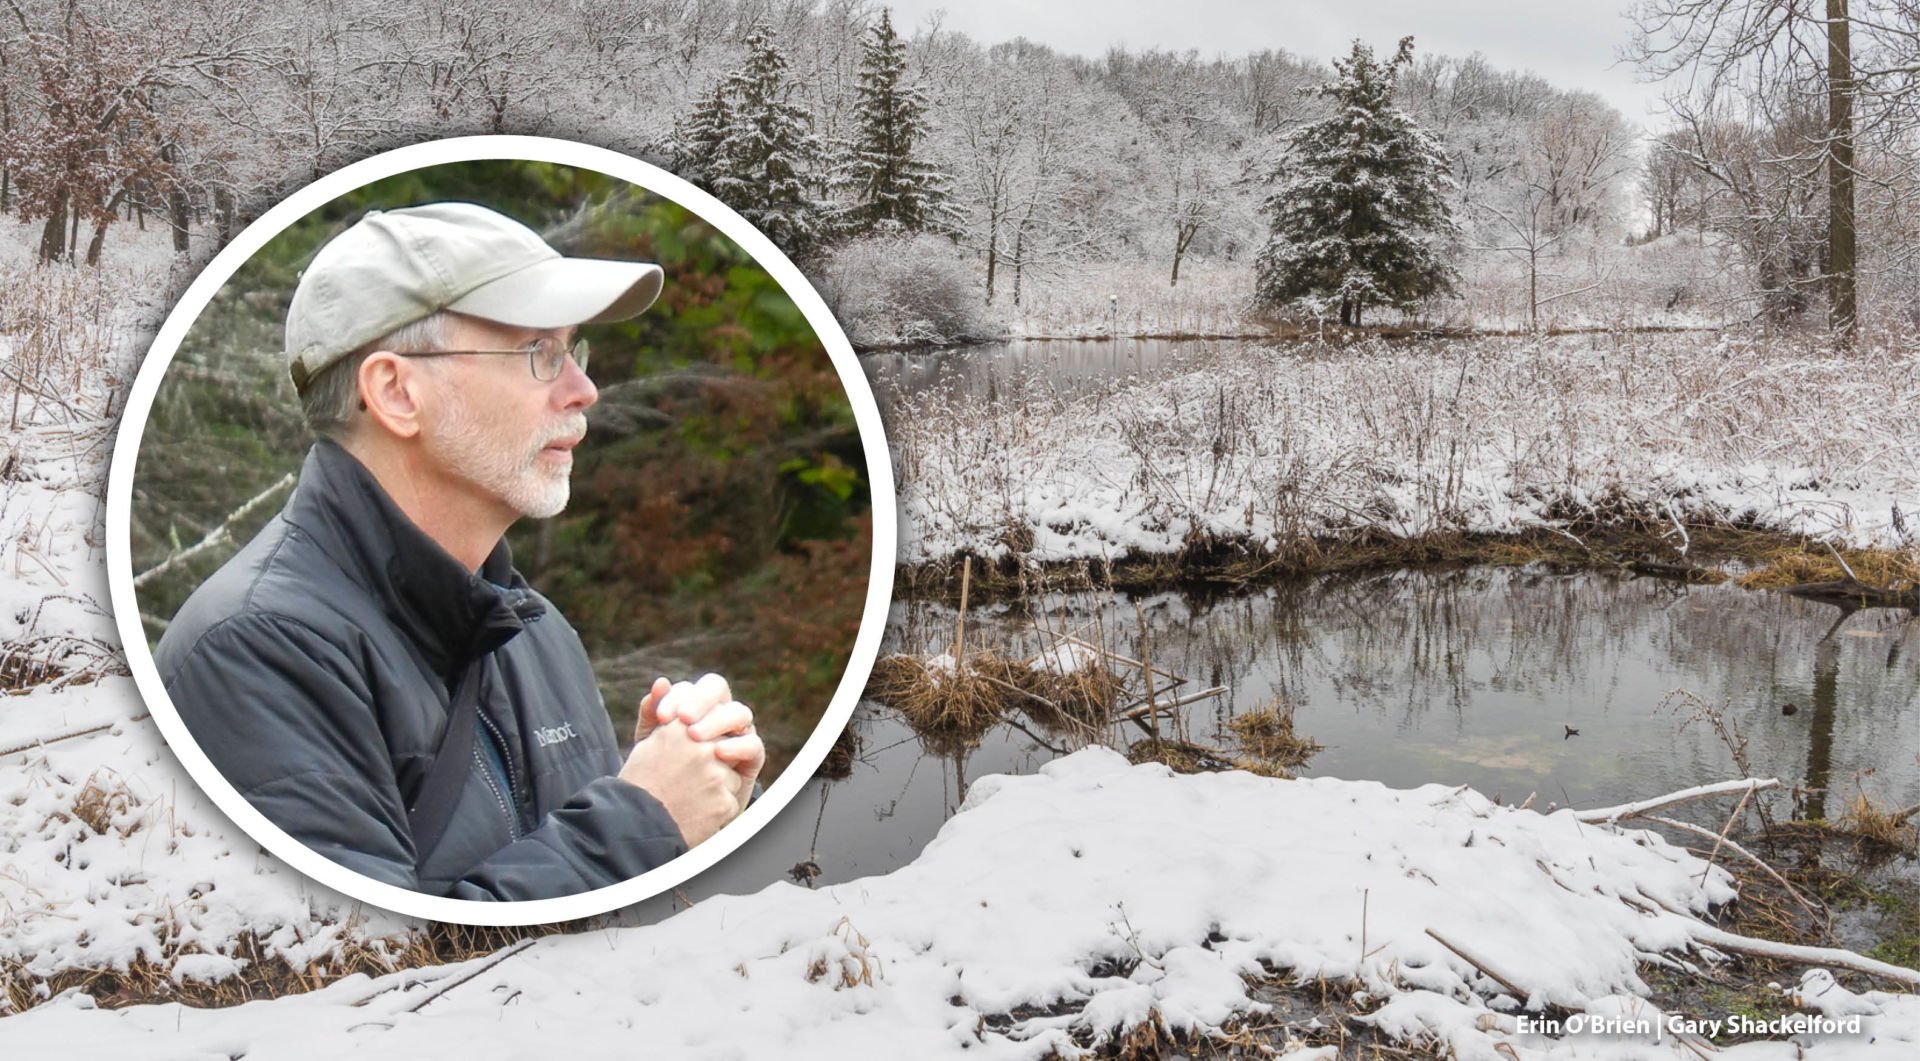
{"type": "Point", "coordinates": [315, 669]}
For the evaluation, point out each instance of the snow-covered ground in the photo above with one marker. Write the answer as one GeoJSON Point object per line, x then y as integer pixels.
{"type": "Point", "coordinates": [109, 855]}
{"type": "Point", "coordinates": [926, 290]}
{"type": "Point", "coordinates": [1267, 443]}
{"type": "Point", "coordinates": [1058, 911]}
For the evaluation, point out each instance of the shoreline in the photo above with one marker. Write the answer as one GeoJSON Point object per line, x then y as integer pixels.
{"type": "Point", "coordinates": [1288, 331]}
{"type": "Point", "coordinates": [1753, 558]}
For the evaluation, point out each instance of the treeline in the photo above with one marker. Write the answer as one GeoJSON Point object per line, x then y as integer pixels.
{"type": "Point", "coordinates": [830, 126]}
{"type": "Point", "coordinates": [208, 112]}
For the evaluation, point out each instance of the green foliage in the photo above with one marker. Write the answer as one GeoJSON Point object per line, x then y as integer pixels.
{"type": "Point", "coordinates": [720, 507]}
{"type": "Point", "coordinates": [1361, 196]}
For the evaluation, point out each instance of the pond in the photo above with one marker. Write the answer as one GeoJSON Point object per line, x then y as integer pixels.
{"type": "Point", "coordinates": [1063, 366]}
{"type": "Point", "coordinates": [1578, 689]}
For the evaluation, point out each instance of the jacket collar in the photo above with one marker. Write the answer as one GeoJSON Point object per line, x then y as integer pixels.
{"type": "Point", "coordinates": [454, 616]}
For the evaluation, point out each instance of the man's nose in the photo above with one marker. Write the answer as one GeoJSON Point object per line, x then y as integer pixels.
{"type": "Point", "coordinates": [573, 391]}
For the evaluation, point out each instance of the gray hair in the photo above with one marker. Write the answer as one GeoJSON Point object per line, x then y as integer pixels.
{"type": "Point", "coordinates": [331, 402]}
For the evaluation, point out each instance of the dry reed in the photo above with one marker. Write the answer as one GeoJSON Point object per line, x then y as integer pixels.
{"type": "Point", "coordinates": [1267, 735]}
{"type": "Point", "coordinates": [1867, 821]}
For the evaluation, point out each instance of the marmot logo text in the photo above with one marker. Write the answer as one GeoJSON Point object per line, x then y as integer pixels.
{"type": "Point", "coordinates": [553, 734]}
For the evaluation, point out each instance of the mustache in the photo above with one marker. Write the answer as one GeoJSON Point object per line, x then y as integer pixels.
{"type": "Point", "coordinates": [574, 426]}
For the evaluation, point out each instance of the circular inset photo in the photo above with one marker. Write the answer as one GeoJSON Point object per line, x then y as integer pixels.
{"type": "Point", "coordinates": [501, 530]}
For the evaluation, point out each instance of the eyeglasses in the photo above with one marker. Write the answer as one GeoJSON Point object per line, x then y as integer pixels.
{"type": "Point", "coordinates": [546, 356]}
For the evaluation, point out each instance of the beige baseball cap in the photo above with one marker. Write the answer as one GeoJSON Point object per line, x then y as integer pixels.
{"type": "Point", "coordinates": [394, 267]}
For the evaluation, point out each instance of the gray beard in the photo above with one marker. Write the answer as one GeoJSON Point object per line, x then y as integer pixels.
{"type": "Point", "coordinates": [509, 470]}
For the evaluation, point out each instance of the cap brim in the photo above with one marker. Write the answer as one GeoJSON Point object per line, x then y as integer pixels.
{"type": "Point", "coordinates": [561, 292]}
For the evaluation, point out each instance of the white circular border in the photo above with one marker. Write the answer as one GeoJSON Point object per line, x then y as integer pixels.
{"type": "Point", "coordinates": [146, 676]}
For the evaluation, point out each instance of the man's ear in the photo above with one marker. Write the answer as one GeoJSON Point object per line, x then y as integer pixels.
{"type": "Point", "coordinates": [390, 388]}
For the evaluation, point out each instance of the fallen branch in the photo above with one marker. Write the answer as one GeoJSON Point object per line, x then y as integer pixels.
{"type": "Point", "coordinates": [1134, 711]}
{"type": "Point", "coordinates": [1512, 988]}
{"type": "Point", "coordinates": [1686, 542]}
{"type": "Point", "coordinates": [1842, 561]}
{"type": "Point", "coordinates": [1683, 572]}
{"type": "Point", "coordinates": [496, 960]}
{"type": "Point", "coordinates": [1723, 841]}
{"type": "Point", "coordinates": [1015, 689]}
{"type": "Point", "coordinates": [1118, 658]}
{"type": "Point", "coordinates": [1766, 948]}
{"type": "Point", "coordinates": [42, 741]}
{"type": "Point", "coordinates": [216, 537]}
{"type": "Point", "coordinates": [54, 398]}
{"type": "Point", "coordinates": [1721, 939]}
{"type": "Point", "coordinates": [1610, 815]}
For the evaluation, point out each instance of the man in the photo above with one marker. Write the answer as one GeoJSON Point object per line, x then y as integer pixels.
{"type": "Point", "coordinates": [370, 672]}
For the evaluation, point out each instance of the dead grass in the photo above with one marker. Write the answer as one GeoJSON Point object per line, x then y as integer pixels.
{"type": "Point", "coordinates": [101, 801]}
{"type": "Point", "coordinates": [1796, 562]}
{"type": "Point", "coordinates": [263, 974]}
{"type": "Point", "coordinates": [1235, 458]}
{"type": "Point", "coordinates": [1080, 700]}
{"type": "Point", "coordinates": [1267, 735]}
{"type": "Point", "coordinates": [1887, 827]}
{"type": "Point", "coordinates": [953, 706]}
{"type": "Point", "coordinates": [1298, 1013]}
{"type": "Point", "coordinates": [1241, 562]}
{"type": "Point", "coordinates": [933, 699]}
{"type": "Point", "coordinates": [1186, 757]}
{"type": "Point", "coordinates": [21, 671]}
{"type": "Point", "coordinates": [58, 660]}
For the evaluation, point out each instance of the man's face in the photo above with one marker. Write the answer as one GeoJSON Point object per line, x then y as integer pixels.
{"type": "Point", "coordinates": [496, 428]}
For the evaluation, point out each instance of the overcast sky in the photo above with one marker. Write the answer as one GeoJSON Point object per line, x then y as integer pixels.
{"type": "Point", "coordinates": [1569, 42]}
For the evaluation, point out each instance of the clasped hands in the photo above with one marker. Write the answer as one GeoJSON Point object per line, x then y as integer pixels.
{"type": "Point", "coordinates": [696, 752]}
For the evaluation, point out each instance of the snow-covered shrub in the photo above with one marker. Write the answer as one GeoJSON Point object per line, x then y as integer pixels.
{"type": "Point", "coordinates": [901, 289]}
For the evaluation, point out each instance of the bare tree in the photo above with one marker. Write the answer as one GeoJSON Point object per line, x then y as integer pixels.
{"type": "Point", "coordinates": [485, 59]}
{"type": "Point", "coordinates": [1569, 166]}
{"type": "Point", "coordinates": [1193, 155]}
{"type": "Point", "coordinates": [100, 129]}
{"type": "Point", "coordinates": [1768, 197]}
{"type": "Point", "coordinates": [1785, 58]}
{"type": "Point", "coordinates": [1274, 90]}
{"type": "Point", "coordinates": [1481, 114]}
{"type": "Point", "coordinates": [1670, 186]}
{"type": "Point", "coordinates": [1024, 143]}
{"type": "Point", "coordinates": [340, 74]}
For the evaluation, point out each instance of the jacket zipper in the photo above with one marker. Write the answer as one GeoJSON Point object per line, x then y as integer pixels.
{"type": "Point", "coordinates": [510, 801]}
{"type": "Point", "coordinates": [500, 801]}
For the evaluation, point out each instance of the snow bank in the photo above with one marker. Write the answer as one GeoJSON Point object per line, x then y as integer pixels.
{"type": "Point", "coordinates": [1051, 914]}
{"type": "Point", "coordinates": [113, 856]}
{"type": "Point", "coordinates": [1267, 445]}
{"type": "Point", "coordinates": [109, 855]}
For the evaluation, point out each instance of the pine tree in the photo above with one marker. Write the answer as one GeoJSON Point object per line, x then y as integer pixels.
{"type": "Point", "coordinates": [699, 139]}
{"type": "Point", "coordinates": [1361, 199]}
{"type": "Point", "coordinates": [890, 184]}
{"type": "Point", "coordinates": [754, 149]}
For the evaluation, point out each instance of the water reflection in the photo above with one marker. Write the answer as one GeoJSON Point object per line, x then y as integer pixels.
{"type": "Point", "coordinates": [1462, 677]}
{"type": "Point", "coordinates": [1062, 367]}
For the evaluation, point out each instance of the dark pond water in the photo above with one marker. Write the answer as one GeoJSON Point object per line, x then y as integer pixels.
{"type": "Point", "coordinates": [1463, 677]}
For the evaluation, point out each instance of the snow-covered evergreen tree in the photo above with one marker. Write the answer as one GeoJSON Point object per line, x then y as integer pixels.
{"type": "Point", "coordinates": [1360, 203]}
{"type": "Point", "coordinates": [891, 184]}
{"type": "Point", "coordinates": [754, 149]}
{"type": "Point", "coordinates": [700, 136]}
